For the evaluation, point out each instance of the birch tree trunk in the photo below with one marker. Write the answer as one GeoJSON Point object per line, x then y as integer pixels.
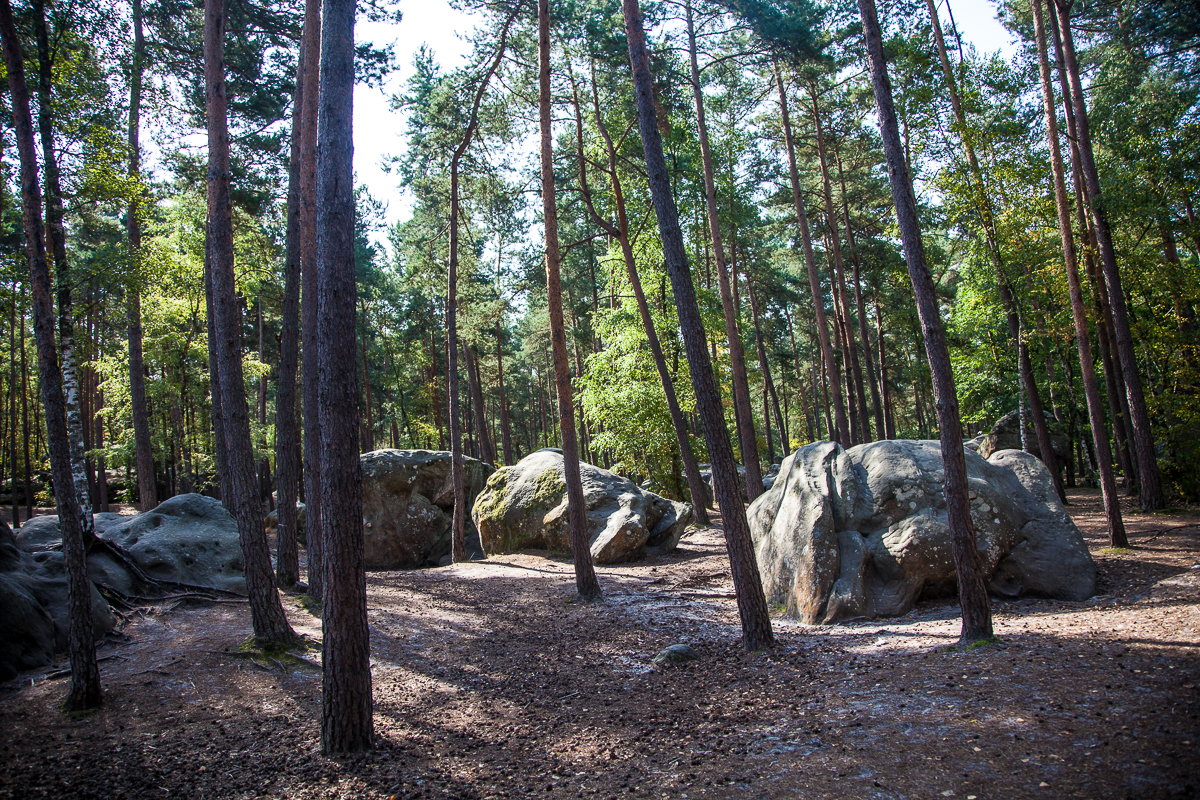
{"type": "Point", "coordinates": [85, 692]}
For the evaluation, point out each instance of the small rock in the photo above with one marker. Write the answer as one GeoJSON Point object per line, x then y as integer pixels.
{"type": "Point", "coordinates": [676, 654]}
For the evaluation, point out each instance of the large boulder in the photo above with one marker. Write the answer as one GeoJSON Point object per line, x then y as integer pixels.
{"type": "Point", "coordinates": [863, 532]}
{"type": "Point", "coordinates": [525, 507]}
{"type": "Point", "coordinates": [408, 507]}
{"type": "Point", "coordinates": [1006, 435]}
{"type": "Point", "coordinates": [188, 541]}
{"type": "Point", "coordinates": [33, 607]}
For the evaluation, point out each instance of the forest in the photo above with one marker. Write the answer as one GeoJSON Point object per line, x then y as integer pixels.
{"type": "Point", "coordinates": [714, 251]}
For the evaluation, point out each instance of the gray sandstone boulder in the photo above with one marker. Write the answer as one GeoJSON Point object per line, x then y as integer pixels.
{"type": "Point", "coordinates": [524, 507]}
{"type": "Point", "coordinates": [408, 507]}
{"type": "Point", "coordinates": [33, 607]}
{"type": "Point", "coordinates": [863, 532]}
{"type": "Point", "coordinates": [271, 522]}
{"type": "Point", "coordinates": [1006, 435]}
{"type": "Point", "coordinates": [189, 540]}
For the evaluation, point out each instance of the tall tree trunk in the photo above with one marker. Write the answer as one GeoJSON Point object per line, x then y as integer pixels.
{"type": "Point", "coordinates": [889, 417]}
{"type": "Point", "coordinates": [992, 241]}
{"type": "Point", "coordinates": [765, 366]}
{"type": "Point", "coordinates": [858, 395]}
{"type": "Point", "coordinates": [840, 433]}
{"type": "Point", "coordinates": [809, 420]}
{"type": "Point", "coordinates": [85, 690]}
{"type": "Point", "coordinates": [505, 426]}
{"type": "Point", "coordinates": [241, 493]}
{"type": "Point", "coordinates": [15, 402]}
{"type": "Point", "coordinates": [972, 594]}
{"type": "Point", "coordinates": [856, 261]}
{"type": "Point", "coordinates": [287, 548]}
{"type": "Point", "coordinates": [585, 576]}
{"type": "Point", "coordinates": [62, 269]}
{"type": "Point", "coordinates": [737, 355]}
{"type": "Point", "coordinates": [310, 73]}
{"type": "Point", "coordinates": [101, 465]}
{"type": "Point", "coordinates": [691, 470]}
{"type": "Point", "coordinates": [487, 447]}
{"type": "Point", "coordinates": [1091, 387]}
{"type": "Point", "coordinates": [752, 603]}
{"type": "Point", "coordinates": [1151, 494]}
{"type": "Point", "coordinates": [346, 724]}
{"type": "Point", "coordinates": [458, 547]}
{"type": "Point", "coordinates": [143, 447]}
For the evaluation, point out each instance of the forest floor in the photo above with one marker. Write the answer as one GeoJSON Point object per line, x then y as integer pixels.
{"type": "Point", "coordinates": [490, 682]}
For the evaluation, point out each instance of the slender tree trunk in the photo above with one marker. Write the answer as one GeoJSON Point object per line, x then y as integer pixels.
{"type": "Point", "coordinates": [459, 522]}
{"type": "Point", "coordinates": [585, 576]}
{"type": "Point", "coordinates": [752, 604]}
{"type": "Point", "coordinates": [977, 618]}
{"type": "Point", "coordinates": [1091, 387]}
{"type": "Point", "coordinates": [992, 241]}
{"type": "Point", "coordinates": [368, 426]}
{"type": "Point", "coordinates": [85, 692]}
{"type": "Point", "coordinates": [858, 395]}
{"type": "Point", "coordinates": [147, 491]}
{"type": "Point", "coordinates": [765, 366]}
{"type": "Point", "coordinates": [841, 433]}
{"type": "Point", "coordinates": [487, 449]}
{"type": "Point", "coordinates": [15, 402]}
{"type": "Point", "coordinates": [737, 356]}
{"type": "Point", "coordinates": [241, 495]}
{"type": "Point", "coordinates": [287, 552]}
{"type": "Point", "coordinates": [346, 724]}
{"type": "Point", "coordinates": [505, 425]}
{"type": "Point", "coordinates": [691, 470]}
{"type": "Point", "coordinates": [1151, 494]}
{"type": "Point", "coordinates": [856, 261]}
{"type": "Point", "coordinates": [310, 354]}
{"type": "Point", "coordinates": [28, 472]}
{"type": "Point", "coordinates": [808, 419]}
{"type": "Point", "coordinates": [62, 269]}
{"type": "Point", "coordinates": [889, 417]}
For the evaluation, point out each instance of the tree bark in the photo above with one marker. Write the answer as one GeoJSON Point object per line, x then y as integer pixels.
{"type": "Point", "coordinates": [977, 618]}
{"type": "Point", "coordinates": [310, 345]}
{"type": "Point", "coordinates": [860, 306]}
{"type": "Point", "coordinates": [505, 426]}
{"type": "Point", "coordinates": [346, 724]}
{"type": "Point", "coordinates": [62, 269]}
{"type": "Point", "coordinates": [287, 548]}
{"type": "Point", "coordinates": [752, 604]}
{"type": "Point", "coordinates": [585, 575]}
{"type": "Point", "coordinates": [992, 241]}
{"type": "Point", "coordinates": [458, 548]}
{"type": "Point", "coordinates": [840, 433]}
{"type": "Point", "coordinates": [858, 395]}
{"type": "Point", "coordinates": [744, 417]}
{"type": "Point", "coordinates": [147, 490]}
{"type": "Point", "coordinates": [85, 692]}
{"type": "Point", "coordinates": [765, 365]}
{"type": "Point", "coordinates": [691, 470]}
{"type": "Point", "coordinates": [1091, 387]}
{"type": "Point", "coordinates": [241, 495]}
{"type": "Point", "coordinates": [1151, 494]}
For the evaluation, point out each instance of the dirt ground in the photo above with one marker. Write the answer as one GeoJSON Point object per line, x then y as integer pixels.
{"type": "Point", "coordinates": [491, 683]}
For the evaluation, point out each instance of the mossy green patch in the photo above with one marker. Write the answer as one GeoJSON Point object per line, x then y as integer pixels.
{"type": "Point", "coordinates": [548, 488]}
{"type": "Point", "coordinates": [1116, 551]}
